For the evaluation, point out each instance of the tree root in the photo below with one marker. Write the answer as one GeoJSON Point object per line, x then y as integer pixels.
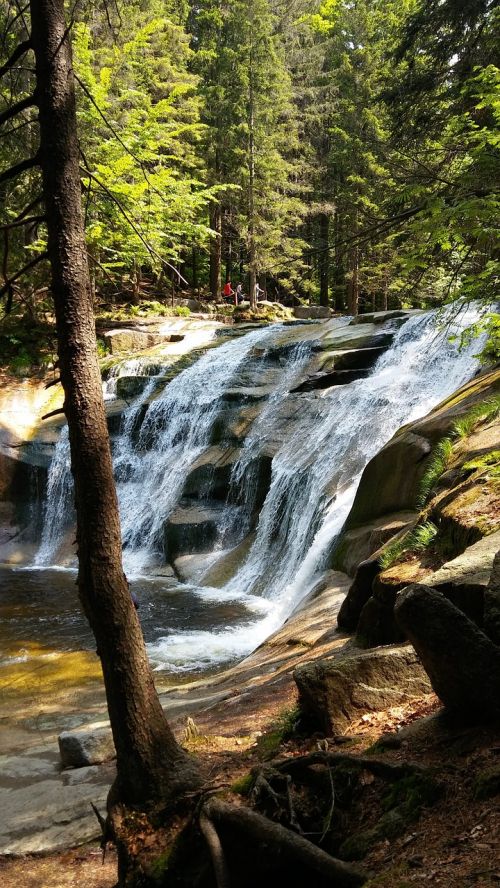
{"type": "Point", "coordinates": [211, 837]}
{"type": "Point", "coordinates": [275, 849]}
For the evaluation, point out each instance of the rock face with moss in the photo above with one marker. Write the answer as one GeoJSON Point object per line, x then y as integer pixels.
{"type": "Point", "coordinates": [334, 692]}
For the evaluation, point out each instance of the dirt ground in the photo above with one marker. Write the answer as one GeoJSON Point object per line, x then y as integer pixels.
{"type": "Point", "coordinates": [454, 844]}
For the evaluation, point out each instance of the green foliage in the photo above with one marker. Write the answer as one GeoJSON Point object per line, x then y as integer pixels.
{"type": "Point", "coordinates": [437, 465]}
{"type": "Point", "coordinates": [416, 540]}
{"type": "Point", "coordinates": [281, 730]}
{"type": "Point", "coordinates": [482, 412]}
{"type": "Point", "coordinates": [26, 345]}
{"type": "Point", "coordinates": [139, 123]}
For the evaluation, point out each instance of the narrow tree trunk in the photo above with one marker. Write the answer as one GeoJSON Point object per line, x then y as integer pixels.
{"type": "Point", "coordinates": [216, 252]}
{"type": "Point", "coordinates": [150, 764]}
{"type": "Point", "coordinates": [194, 266]}
{"type": "Point", "coordinates": [353, 285]}
{"type": "Point", "coordinates": [252, 253]}
{"type": "Point", "coordinates": [324, 259]}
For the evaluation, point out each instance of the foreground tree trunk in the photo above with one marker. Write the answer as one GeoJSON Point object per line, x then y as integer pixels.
{"type": "Point", "coordinates": [151, 766]}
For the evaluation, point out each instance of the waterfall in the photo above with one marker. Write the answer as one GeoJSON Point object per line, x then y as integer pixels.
{"type": "Point", "coordinates": [316, 466]}
{"type": "Point", "coordinates": [314, 480]}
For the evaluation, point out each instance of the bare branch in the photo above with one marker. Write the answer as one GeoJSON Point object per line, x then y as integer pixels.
{"type": "Point", "coordinates": [18, 53]}
{"type": "Point", "coordinates": [19, 168]}
{"type": "Point", "coordinates": [26, 220]}
{"type": "Point", "coordinates": [52, 413]}
{"type": "Point", "coordinates": [6, 115]}
{"type": "Point", "coordinates": [24, 270]}
{"type": "Point", "coordinates": [53, 382]}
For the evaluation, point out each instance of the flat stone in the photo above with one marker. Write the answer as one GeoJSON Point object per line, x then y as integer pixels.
{"type": "Point", "coordinates": [334, 692]}
{"type": "Point", "coordinates": [312, 312]}
{"type": "Point", "coordinates": [464, 579]}
{"type": "Point", "coordinates": [53, 814]}
{"type": "Point", "coordinates": [82, 748]}
{"type": "Point", "coordinates": [472, 567]}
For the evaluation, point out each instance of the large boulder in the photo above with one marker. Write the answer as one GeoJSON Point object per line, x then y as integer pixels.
{"type": "Point", "coordinates": [359, 593]}
{"type": "Point", "coordinates": [464, 580]}
{"type": "Point", "coordinates": [311, 312]}
{"type": "Point", "coordinates": [128, 341]}
{"type": "Point", "coordinates": [81, 748]}
{"type": "Point", "coordinates": [462, 663]}
{"type": "Point", "coordinates": [390, 481]}
{"type": "Point", "coordinates": [361, 543]}
{"type": "Point", "coordinates": [192, 529]}
{"type": "Point", "coordinates": [335, 692]}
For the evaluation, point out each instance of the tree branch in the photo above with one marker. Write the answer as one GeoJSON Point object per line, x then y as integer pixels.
{"type": "Point", "coordinates": [52, 413]}
{"type": "Point", "coordinates": [19, 168]}
{"type": "Point", "coordinates": [6, 115]}
{"type": "Point", "coordinates": [18, 53]}
{"type": "Point", "coordinates": [29, 265]}
{"type": "Point", "coordinates": [26, 220]}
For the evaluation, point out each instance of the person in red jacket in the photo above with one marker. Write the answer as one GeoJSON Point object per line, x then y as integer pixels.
{"type": "Point", "coordinates": [228, 292]}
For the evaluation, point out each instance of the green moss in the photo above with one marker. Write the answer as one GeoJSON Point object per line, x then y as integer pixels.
{"type": "Point", "coordinates": [283, 728]}
{"type": "Point", "coordinates": [243, 785]}
{"type": "Point", "coordinates": [159, 866]}
{"type": "Point", "coordinates": [490, 461]}
{"type": "Point", "coordinates": [410, 794]}
{"type": "Point", "coordinates": [487, 784]}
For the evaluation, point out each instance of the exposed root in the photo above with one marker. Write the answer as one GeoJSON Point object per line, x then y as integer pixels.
{"type": "Point", "coordinates": [211, 837]}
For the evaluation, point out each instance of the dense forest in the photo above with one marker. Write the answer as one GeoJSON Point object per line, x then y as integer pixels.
{"type": "Point", "coordinates": [337, 153]}
{"type": "Point", "coordinates": [286, 485]}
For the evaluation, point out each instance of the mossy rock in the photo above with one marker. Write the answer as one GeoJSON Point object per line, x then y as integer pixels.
{"type": "Point", "coordinates": [487, 785]}
{"type": "Point", "coordinates": [403, 803]}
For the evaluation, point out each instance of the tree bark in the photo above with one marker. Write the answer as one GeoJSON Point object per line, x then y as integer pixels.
{"type": "Point", "coordinates": [216, 252]}
{"type": "Point", "coordinates": [324, 259]}
{"type": "Point", "coordinates": [151, 766]}
{"type": "Point", "coordinates": [252, 253]}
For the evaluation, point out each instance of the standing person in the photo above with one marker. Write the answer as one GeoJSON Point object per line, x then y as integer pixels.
{"type": "Point", "coordinates": [258, 291]}
{"type": "Point", "coordinates": [228, 292]}
{"type": "Point", "coordinates": [239, 294]}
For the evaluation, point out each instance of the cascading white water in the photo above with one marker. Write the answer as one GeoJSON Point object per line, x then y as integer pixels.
{"type": "Point", "coordinates": [314, 480]}
{"type": "Point", "coordinates": [151, 466]}
{"type": "Point", "coordinates": [315, 470]}
{"type": "Point", "coordinates": [58, 507]}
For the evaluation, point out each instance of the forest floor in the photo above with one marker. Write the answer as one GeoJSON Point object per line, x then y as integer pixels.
{"type": "Point", "coordinates": [455, 843]}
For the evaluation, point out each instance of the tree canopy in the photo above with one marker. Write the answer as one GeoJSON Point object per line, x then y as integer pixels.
{"type": "Point", "coordinates": [335, 152]}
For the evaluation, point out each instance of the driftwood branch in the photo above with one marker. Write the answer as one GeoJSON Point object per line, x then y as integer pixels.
{"type": "Point", "coordinates": [53, 382]}
{"type": "Point", "coordinates": [18, 53]}
{"type": "Point", "coordinates": [19, 168]}
{"type": "Point", "coordinates": [13, 110]}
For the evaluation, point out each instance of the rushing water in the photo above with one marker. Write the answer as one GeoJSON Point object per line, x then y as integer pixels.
{"type": "Point", "coordinates": [315, 473]}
